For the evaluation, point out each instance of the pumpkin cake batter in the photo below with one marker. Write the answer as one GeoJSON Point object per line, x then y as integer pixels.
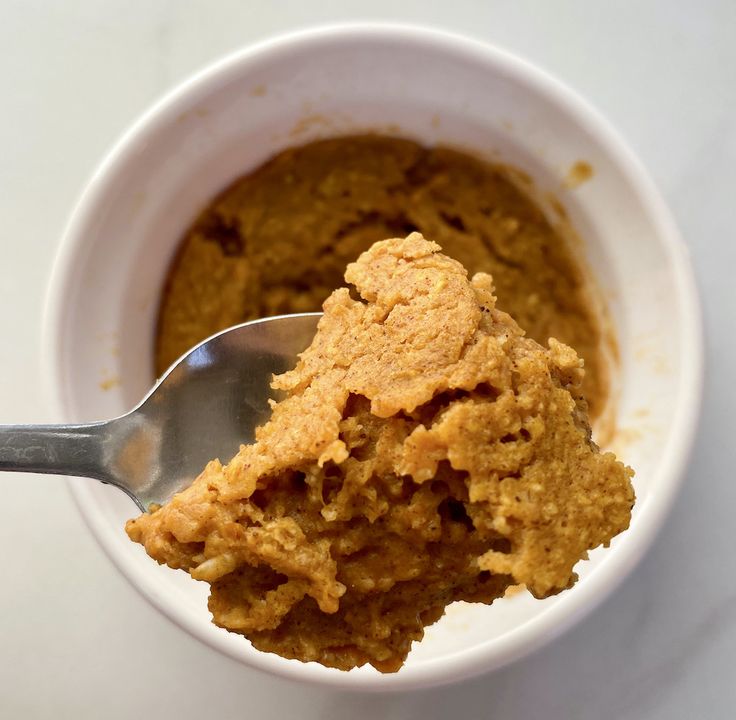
{"type": "Point", "coordinates": [277, 241]}
{"type": "Point", "coordinates": [425, 451]}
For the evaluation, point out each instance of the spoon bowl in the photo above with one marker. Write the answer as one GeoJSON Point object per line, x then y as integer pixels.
{"type": "Point", "coordinates": [204, 406]}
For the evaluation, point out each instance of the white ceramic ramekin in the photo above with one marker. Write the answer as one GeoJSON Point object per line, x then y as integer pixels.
{"type": "Point", "coordinates": [421, 84]}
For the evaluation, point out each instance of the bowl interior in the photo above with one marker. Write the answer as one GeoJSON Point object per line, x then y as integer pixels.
{"type": "Point", "coordinates": [424, 86]}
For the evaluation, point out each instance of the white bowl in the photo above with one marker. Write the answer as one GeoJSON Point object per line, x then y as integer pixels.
{"type": "Point", "coordinates": [433, 87]}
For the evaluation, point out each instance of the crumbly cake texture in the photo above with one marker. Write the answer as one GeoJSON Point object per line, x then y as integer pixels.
{"type": "Point", "coordinates": [277, 241]}
{"type": "Point", "coordinates": [425, 451]}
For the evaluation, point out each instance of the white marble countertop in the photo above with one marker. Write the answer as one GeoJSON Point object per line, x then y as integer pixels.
{"type": "Point", "coordinates": [78, 641]}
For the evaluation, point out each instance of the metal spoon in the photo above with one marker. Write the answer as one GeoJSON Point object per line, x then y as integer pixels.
{"type": "Point", "coordinates": [203, 407]}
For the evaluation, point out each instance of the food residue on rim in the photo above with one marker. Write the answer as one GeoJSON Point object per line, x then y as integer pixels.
{"type": "Point", "coordinates": [645, 353]}
{"type": "Point", "coordinates": [109, 383]}
{"type": "Point", "coordinates": [579, 172]}
{"type": "Point", "coordinates": [312, 121]}
{"type": "Point", "coordinates": [626, 437]}
{"type": "Point", "coordinates": [259, 90]}
{"type": "Point", "coordinates": [557, 207]}
{"type": "Point", "coordinates": [199, 112]}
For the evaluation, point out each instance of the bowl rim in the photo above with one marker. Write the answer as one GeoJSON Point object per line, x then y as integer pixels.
{"type": "Point", "coordinates": [538, 631]}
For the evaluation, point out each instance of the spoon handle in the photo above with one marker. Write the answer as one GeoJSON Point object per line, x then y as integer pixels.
{"type": "Point", "coordinates": [55, 449]}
